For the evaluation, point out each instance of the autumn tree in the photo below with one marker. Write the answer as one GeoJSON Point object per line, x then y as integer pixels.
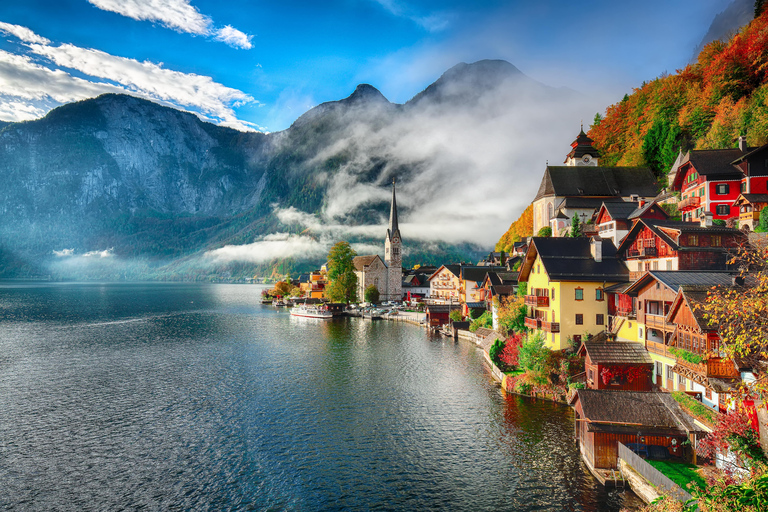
{"type": "Point", "coordinates": [342, 280]}
{"type": "Point", "coordinates": [510, 314]}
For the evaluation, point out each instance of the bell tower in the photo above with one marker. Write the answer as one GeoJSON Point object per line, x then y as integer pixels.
{"type": "Point", "coordinates": [393, 256]}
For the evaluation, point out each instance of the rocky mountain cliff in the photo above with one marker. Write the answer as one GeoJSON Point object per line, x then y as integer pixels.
{"type": "Point", "coordinates": [120, 178]}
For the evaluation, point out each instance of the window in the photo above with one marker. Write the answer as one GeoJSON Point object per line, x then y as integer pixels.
{"type": "Point", "coordinates": [599, 294]}
{"type": "Point", "coordinates": [654, 265]}
{"type": "Point", "coordinates": [658, 368]}
{"type": "Point", "coordinates": [716, 241]}
{"type": "Point", "coordinates": [743, 187]}
{"type": "Point", "coordinates": [680, 383]}
{"type": "Point", "coordinates": [600, 319]}
{"type": "Point", "coordinates": [577, 338]}
{"type": "Point", "coordinates": [708, 393]}
{"type": "Point", "coordinates": [723, 209]}
{"type": "Point", "coordinates": [693, 240]}
{"type": "Point", "coordinates": [591, 375]}
{"type": "Point", "coordinates": [538, 269]}
{"type": "Point", "coordinates": [579, 319]}
{"type": "Point", "coordinates": [579, 293]}
{"type": "Point", "coordinates": [722, 189]}
{"type": "Point", "coordinates": [553, 294]}
{"type": "Point", "coordinates": [670, 375]}
{"type": "Point", "coordinates": [669, 264]}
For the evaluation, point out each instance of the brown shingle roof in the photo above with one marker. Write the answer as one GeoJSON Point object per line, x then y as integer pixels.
{"type": "Point", "coordinates": [616, 352]}
{"type": "Point", "coordinates": [360, 262]}
{"type": "Point", "coordinates": [636, 408]}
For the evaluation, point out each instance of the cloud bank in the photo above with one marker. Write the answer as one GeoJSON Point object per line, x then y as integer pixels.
{"type": "Point", "coordinates": [32, 84]}
{"type": "Point", "coordinates": [177, 15]}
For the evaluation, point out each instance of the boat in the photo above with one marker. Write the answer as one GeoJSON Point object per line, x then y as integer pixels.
{"type": "Point", "coordinates": [311, 311]}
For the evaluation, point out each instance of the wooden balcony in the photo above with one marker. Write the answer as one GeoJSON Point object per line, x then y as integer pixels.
{"type": "Point", "coordinates": [550, 326]}
{"type": "Point", "coordinates": [628, 313]}
{"type": "Point", "coordinates": [542, 325]}
{"type": "Point", "coordinates": [657, 322]}
{"type": "Point", "coordinates": [713, 367]}
{"type": "Point", "coordinates": [643, 252]}
{"type": "Point", "coordinates": [537, 301]}
{"type": "Point", "coordinates": [532, 323]}
{"type": "Point", "coordinates": [658, 348]}
{"type": "Point", "coordinates": [689, 204]}
{"type": "Point", "coordinates": [749, 216]}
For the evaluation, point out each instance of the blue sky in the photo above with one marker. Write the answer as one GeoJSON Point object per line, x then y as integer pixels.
{"type": "Point", "coordinates": [259, 65]}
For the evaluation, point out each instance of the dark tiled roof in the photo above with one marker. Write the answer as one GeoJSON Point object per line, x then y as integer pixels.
{"type": "Point", "coordinates": [476, 305]}
{"type": "Point", "coordinates": [640, 409]}
{"type": "Point", "coordinates": [582, 202]}
{"type": "Point", "coordinates": [617, 352]}
{"type": "Point", "coordinates": [597, 181]}
{"type": "Point", "coordinates": [453, 269]}
{"type": "Point", "coordinates": [714, 162]}
{"type": "Point", "coordinates": [674, 279]}
{"type": "Point", "coordinates": [583, 146]}
{"type": "Point", "coordinates": [620, 210]}
{"type": "Point", "coordinates": [507, 277]}
{"type": "Point", "coordinates": [753, 198]}
{"type": "Point", "coordinates": [477, 273]}
{"type": "Point", "coordinates": [360, 262]}
{"type": "Point", "coordinates": [493, 278]}
{"type": "Point", "coordinates": [442, 308]}
{"type": "Point", "coordinates": [658, 227]}
{"type": "Point", "coordinates": [642, 210]}
{"type": "Point", "coordinates": [570, 259]}
{"type": "Point", "coordinates": [502, 289]}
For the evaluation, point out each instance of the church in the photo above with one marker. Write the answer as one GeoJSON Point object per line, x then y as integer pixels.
{"type": "Point", "coordinates": [387, 274]}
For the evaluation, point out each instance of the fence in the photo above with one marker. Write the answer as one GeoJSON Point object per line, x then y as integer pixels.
{"type": "Point", "coordinates": [653, 475]}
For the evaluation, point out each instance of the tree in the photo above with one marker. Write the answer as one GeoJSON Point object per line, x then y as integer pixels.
{"type": "Point", "coordinates": [511, 316]}
{"type": "Point", "coordinates": [759, 6]}
{"type": "Point", "coordinates": [342, 281]}
{"type": "Point", "coordinates": [455, 315]}
{"type": "Point", "coordinates": [372, 294]}
{"type": "Point", "coordinates": [546, 231]}
{"type": "Point", "coordinates": [762, 225]}
{"type": "Point", "coordinates": [575, 231]}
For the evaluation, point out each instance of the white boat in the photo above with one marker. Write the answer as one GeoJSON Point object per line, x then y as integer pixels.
{"type": "Point", "coordinates": [311, 311]}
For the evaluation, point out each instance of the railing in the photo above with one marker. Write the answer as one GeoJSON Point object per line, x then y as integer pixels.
{"type": "Point", "coordinates": [749, 216]}
{"type": "Point", "coordinates": [550, 326]}
{"type": "Point", "coordinates": [699, 368]}
{"type": "Point", "coordinates": [537, 301]}
{"type": "Point", "coordinates": [652, 474]}
{"type": "Point", "coordinates": [630, 313]}
{"type": "Point", "coordinates": [634, 252]}
{"type": "Point", "coordinates": [658, 348]}
{"type": "Point", "coordinates": [714, 367]}
{"type": "Point", "coordinates": [689, 203]}
{"type": "Point", "coordinates": [532, 323]}
{"type": "Point", "coordinates": [657, 322]}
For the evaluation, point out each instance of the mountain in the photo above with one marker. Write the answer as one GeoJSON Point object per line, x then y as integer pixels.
{"type": "Point", "coordinates": [727, 23]}
{"type": "Point", "coordinates": [707, 105]}
{"type": "Point", "coordinates": [120, 187]}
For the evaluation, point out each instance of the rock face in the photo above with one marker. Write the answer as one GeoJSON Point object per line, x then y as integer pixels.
{"type": "Point", "coordinates": [144, 180]}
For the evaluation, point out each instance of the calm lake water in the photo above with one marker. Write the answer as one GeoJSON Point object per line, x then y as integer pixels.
{"type": "Point", "coordinates": [197, 397]}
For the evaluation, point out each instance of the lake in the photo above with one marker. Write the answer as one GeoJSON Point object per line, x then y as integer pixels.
{"type": "Point", "coordinates": [197, 397]}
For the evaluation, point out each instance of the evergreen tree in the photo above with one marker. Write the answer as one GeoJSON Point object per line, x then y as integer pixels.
{"type": "Point", "coordinates": [575, 231]}
{"type": "Point", "coordinates": [759, 6]}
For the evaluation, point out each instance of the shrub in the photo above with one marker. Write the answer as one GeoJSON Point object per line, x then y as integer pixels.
{"type": "Point", "coordinates": [484, 320]}
{"type": "Point", "coordinates": [546, 231]}
{"type": "Point", "coordinates": [533, 355]}
{"type": "Point", "coordinates": [372, 294]}
{"type": "Point", "coordinates": [455, 315]}
{"type": "Point", "coordinates": [494, 351]}
{"type": "Point", "coordinates": [510, 355]}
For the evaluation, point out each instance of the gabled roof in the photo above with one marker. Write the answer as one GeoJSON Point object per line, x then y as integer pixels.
{"type": "Point", "coordinates": [647, 208]}
{"type": "Point", "coordinates": [476, 305]}
{"type": "Point", "coordinates": [582, 146]}
{"type": "Point", "coordinates": [570, 259]}
{"type": "Point", "coordinates": [502, 289]}
{"type": "Point", "coordinates": [662, 229]}
{"type": "Point", "coordinates": [590, 181]}
{"type": "Point", "coordinates": [491, 279]}
{"type": "Point", "coordinates": [711, 163]}
{"type": "Point", "coordinates": [649, 410]}
{"type": "Point", "coordinates": [602, 351]}
{"type": "Point", "coordinates": [750, 199]}
{"type": "Point", "coordinates": [442, 308]}
{"type": "Point", "coordinates": [618, 210]}
{"type": "Point", "coordinates": [453, 269]}
{"type": "Point", "coordinates": [674, 279]}
{"type": "Point", "coordinates": [692, 298]}
{"type": "Point", "coordinates": [360, 262]}
{"type": "Point", "coordinates": [477, 273]}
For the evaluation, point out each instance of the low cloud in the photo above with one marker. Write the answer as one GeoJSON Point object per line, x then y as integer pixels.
{"type": "Point", "coordinates": [34, 83]}
{"type": "Point", "coordinates": [177, 15]}
{"type": "Point", "coordinates": [64, 253]}
{"type": "Point", "coordinates": [270, 247]}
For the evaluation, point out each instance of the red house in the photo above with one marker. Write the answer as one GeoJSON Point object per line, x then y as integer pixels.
{"type": "Point", "coordinates": [617, 365]}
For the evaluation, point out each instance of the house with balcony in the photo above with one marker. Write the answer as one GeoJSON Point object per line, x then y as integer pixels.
{"type": "Point", "coordinates": [654, 293]}
{"type": "Point", "coordinates": [580, 186]}
{"type": "Point", "coordinates": [498, 285]}
{"type": "Point", "coordinates": [750, 206]}
{"type": "Point", "coordinates": [614, 218]}
{"type": "Point", "coordinates": [710, 180]}
{"type": "Point", "coordinates": [700, 366]}
{"type": "Point", "coordinates": [445, 284]}
{"type": "Point", "coordinates": [470, 286]}
{"type": "Point", "coordinates": [654, 244]}
{"type": "Point", "coordinates": [566, 281]}
{"type": "Point", "coordinates": [313, 284]}
{"type": "Point", "coordinates": [622, 313]}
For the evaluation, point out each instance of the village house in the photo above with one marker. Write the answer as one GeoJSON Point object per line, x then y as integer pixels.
{"type": "Point", "coordinates": [653, 422]}
{"type": "Point", "coordinates": [497, 285]}
{"type": "Point", "coordinates": [416, 283]}
{"type": "Point", "coordinates": [700, 365]}
{"type": "Point", "coordinates": [313, 284]}
{"type": "Point", "coordinates": [614, 218]}
{"type": "Point", "coordinates": [749, 207]}
{"type": "Point", "coordinates": [653, 244]}
{"type": "Point", "coordinates": [654, 294]}
{"type": "Point", "coordinates": [617, 365]}
{"type": "Point", "coordinates": [566, 281]}
{"type": "Point", "coordinates": [581, 186]}
{"type": "Point", "coordinates": [445, 283]}
{"type": "Point", "coordinates": [471, 293]}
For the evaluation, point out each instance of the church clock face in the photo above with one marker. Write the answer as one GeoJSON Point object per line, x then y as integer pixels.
{"type": "Point", "coordinates": [395, 240]}
{"type": "Point", "coordinates": [586, 159]}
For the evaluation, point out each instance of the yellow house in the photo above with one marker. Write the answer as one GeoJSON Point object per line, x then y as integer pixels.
{"type": "Point", "coordinates": [566, 280]}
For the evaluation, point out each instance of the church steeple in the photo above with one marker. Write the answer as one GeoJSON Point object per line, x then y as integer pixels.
{"type": "Point", "coordinates": [394, 230]}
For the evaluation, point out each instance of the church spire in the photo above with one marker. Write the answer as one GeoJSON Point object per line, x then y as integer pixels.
{"type": "Point", "coordinates": [394, 230]}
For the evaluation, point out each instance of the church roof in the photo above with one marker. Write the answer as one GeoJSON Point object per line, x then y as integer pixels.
{"type": "Point", "coordinates": [590, 181]}
{"type": "Point", "coordinates": [583, 146]}
{"type": "Point", "coordinates": [360, 262]}
{"type": "Point", "coordinates": [394, 229]}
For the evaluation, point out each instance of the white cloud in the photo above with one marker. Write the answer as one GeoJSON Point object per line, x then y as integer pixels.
{"type": "Point", "coordinates": [433, 22]}
{"type": "Point", "coordinates": [106, 253]}
{"type": "Point", "coordinates": [178, 15]}
{"type": "Point", "coordinates": [234, 38]}
{"type": "Point", "coordinates": [32, 86]}
{"type": "Point", "coordinates": [64, 253]}
{"type": "Point", "coordinates": [22, 33]}
{"type": "Point", "coordinates": [278, 245]}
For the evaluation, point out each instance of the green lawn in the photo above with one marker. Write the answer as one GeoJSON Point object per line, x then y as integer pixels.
{"type": "Point", "coordinates": [680, 473]}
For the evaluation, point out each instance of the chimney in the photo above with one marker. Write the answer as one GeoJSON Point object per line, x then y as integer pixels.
{"type": "Point", "coordinates": [706, 220]}
{"type": "Point", "coordinates": [742, 144]}
{"type": "Point", "coordinates": [634, 197]}
{"type": "Point", "coordinates": [596, 248]}
{"type": "Point", "coordinates": [641, 203]}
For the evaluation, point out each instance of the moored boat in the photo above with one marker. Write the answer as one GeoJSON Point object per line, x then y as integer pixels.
{"type": "Point", "coordinates": [311, 311]}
